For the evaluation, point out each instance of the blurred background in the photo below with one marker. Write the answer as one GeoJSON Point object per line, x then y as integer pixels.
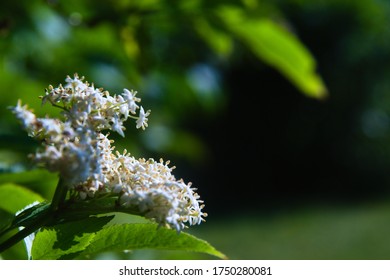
{"type": "Point", "coordinates": [277, 111]}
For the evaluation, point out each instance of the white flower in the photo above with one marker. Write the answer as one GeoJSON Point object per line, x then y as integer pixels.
{"type": "Point", "coordinates": [129, 97]}
{"type": "Point", "coordinates": [75, 83]}
{"type": "Point", "coordinates": [142, 119]}
{"type": "Point", "coordinates": [117, 126]}
{"type": "Point", "coordinates": [76, 148]}
{"type": "Point", "coordinates": [71, 145]}
{"type": "Point", "coordinates": [157, 194]}
{"type": "Point", "coordinates": [123, 107]}
{"type": "Point", "coordinates": [50, 126]}
{"type": "Point", "coordinates": [26, 117]}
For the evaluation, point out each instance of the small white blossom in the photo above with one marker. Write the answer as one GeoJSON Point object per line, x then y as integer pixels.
{"type": "Point", "coordinates": [26, 117]}
{"type": "Point", "coordinates": [50, 126]}
{"type": "Point", "coordinates": [76, 83]}
{"type": "Point", "coordinates": [129, 97]}
{"type": "Point", "coordinates": [142, 119]}
{"type": "Point", "coordinates": [123, 107]}
{"type": "Point", "coordinates": [117, 126]}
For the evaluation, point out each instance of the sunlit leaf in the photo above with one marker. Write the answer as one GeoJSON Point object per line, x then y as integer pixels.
{"type": "Point", "coordinates": [39, 180]}
{"type": "Point", "coordinates": [87, 237]}
{"type": "Point", "coordinates": [14, 197]}
{"type": "Point", "coordinates": [146, 236]}
{"type": "Point", "coordinates": [220, 42]}
{"type": "Point", "coordinates": [5, 219]}
{"type": "Point", "coordinates": [277, 47]}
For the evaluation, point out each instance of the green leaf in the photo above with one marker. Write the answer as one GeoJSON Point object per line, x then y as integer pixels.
{"type": "Point", "coordinates": [5, 219]}
{"type": "Point", "coordinates": [67, 240]}
{"type": "Point", "coordinates": [220, 42]}
{"type": "Point", "coordinates": [277, 47]}
{"type": "Point", "coordinates": [14, 197]}
{"type": "Point", "coordinates": [39, 180]}
{"type": "Point", "coordinates": [146, 236]}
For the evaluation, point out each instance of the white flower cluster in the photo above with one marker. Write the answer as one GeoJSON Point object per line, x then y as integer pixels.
{"type": "Point", "coordinates": [76, 148]}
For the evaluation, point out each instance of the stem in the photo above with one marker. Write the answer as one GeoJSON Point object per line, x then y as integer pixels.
{"type": "Point", "coordinates": [59, 195]}
{"type": "Point", "coordinates": [58, 106]}
{"type": "Point", "coordinates": [78, 210]}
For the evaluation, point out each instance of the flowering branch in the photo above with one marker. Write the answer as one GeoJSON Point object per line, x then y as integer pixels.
{"type": "Point", "coordinates": [76, 147]}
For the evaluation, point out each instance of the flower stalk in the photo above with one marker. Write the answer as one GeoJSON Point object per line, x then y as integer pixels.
{"type": "Point", "coordinates": [59, 195]}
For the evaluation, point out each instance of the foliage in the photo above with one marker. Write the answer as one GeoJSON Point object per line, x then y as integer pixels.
{"type": "Point", "coordinates": [53, 243]}
{"type": "Point", "coordinates": [78, 233]}
{"type": "Point", "coordinates": [277, 47]}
